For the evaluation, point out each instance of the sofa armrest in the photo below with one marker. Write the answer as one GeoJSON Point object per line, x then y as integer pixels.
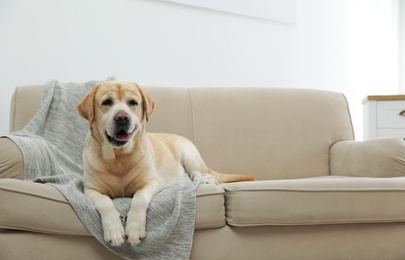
{"type": "Point", "coordinates": [11, 160]}
{"type": "Point", "coordinates": [384, 157]}
{"type": "Point", "coordinates": [25, 104]}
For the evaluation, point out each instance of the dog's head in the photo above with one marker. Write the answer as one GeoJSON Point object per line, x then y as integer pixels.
{"type": "Point", "coordinates": [116, 111]}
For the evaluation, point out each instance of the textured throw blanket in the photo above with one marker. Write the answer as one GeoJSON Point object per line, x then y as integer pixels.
{"type": "Point", "coordinates": [52, 147]}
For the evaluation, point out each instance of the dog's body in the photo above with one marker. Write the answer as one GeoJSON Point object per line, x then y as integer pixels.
{"type": "Point", "coordinates": [122, 160]}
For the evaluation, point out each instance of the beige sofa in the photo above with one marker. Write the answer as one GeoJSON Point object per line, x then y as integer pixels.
{"type": "Point", "coordinates": [318, 194]}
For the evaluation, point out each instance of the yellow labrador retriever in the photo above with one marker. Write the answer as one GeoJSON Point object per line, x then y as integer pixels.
{"type": "Point", "coordinates": [122, 160]}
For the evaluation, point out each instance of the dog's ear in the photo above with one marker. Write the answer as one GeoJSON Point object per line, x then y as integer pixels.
{"type": "Point", "coordinates": [86, 106]}
{"type": "Point", "coordinates": [148, 104]}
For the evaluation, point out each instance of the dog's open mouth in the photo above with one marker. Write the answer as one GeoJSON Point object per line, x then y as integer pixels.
{"type": "Point", "coordinates": [120, 138]}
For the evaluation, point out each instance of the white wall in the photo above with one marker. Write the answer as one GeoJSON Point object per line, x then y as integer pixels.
{"type": "Point", "coordinates": [350, 46]}
{"type": "Point", "coordinates": [402, 46]}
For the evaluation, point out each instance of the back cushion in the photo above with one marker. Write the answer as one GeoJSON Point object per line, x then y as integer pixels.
{"type": "Point", "coordinates": [268, 133]}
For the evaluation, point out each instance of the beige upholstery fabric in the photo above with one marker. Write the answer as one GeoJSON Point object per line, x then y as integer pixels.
{"type": "Point", "coordinates": [319, 242]}
{"type": "Point", "coordinates": [169, 102]}
{"type": "Point", "coordinates": [383, 157]}
{"type": "Point", "coordinates": [263, 132]}
{"type": "Point", "coordinates": [337, 242]}
{"type": "Point", "coordinates": [57, 216]}
{"type": "Point", "coordinates": [311, 201]}
{"type": "Point", "coordinates": [39, 246]}
{"type": "Point", "coordinates": [236, 133]}
{"type": "Point", "coordinates": [24, 104]}
{"type": "Point", "coordinates": [37, 207]}
{"type": "Point", "coordinates": [210, 207]}
{"type": "Point", "coordinates": [11, 161]}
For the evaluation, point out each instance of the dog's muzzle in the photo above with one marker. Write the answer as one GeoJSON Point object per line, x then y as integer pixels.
{"type": "Point", "coordinates": [121, 132]}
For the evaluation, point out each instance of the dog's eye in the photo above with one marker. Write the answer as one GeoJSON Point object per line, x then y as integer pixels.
{"type": "Point", "coordinates": [107, 102]}
{"type": "Point", "coordinates": [132, 103]}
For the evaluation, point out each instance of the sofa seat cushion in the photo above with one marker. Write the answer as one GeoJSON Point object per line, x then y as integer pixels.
{"type": "Point", "coordinates": [37, 207]}
{"type": "Point", "coordinates": [210, 207]}
{"type": "Point", "coordinates": [311, 201]}
{"type": "Point", "coordinates": [42, 208]}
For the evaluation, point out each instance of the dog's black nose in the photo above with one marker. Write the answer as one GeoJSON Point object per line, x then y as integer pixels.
{"type": "Point", "coordinates": [122, 118]}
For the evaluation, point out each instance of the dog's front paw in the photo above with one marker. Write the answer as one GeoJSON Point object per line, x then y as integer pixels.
{"type": "Point", "coordinates": [114, 232]}
{"type": "Point", "coordinates": [114, 236]}
{"type": "Point", "coordinates": [135, 228]}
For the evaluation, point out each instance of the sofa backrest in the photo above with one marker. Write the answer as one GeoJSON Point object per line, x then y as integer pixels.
{"type": "Point", "coordinates": [268, 133]}
{"type": "Point", "coordinates": [265, 132]}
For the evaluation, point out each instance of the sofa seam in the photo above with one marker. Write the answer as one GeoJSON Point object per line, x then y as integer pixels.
{"type": "Point", "coordinates": [192, 113]}
{"type": "Point", "coordinates": [33, 195]}
{"type": "Point", "coordinates": [203, 227]}
{"type": "Point", "coordinates": [42, 231]}
{"type": "Point", "coordinates": [363, 221]}
{"type": "Point", "coordinates": [14, 109]}
{"type": "Point", "coordinates": [350, 116]}
{"type": "Point", "coordinates": [352, 130]}
{"type": "Point", "coordinates": [210, 194]}
{"type": "Point", "coordinates": [315, 190]}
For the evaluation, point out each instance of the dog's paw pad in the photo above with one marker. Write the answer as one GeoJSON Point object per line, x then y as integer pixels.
{"type": "Point", "coordinates": [135, 234]}
{"type": "Point", "coordinates": [114, 237]}
{"type": "Point", "coordinates": [134, 240]}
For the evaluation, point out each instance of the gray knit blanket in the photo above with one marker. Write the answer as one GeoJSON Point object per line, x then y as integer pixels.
{"type": "Point", "coordinates": [52, 147]}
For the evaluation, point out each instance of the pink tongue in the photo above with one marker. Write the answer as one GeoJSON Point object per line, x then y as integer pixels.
{"type": "Point", "coordinates": [121, 137]}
